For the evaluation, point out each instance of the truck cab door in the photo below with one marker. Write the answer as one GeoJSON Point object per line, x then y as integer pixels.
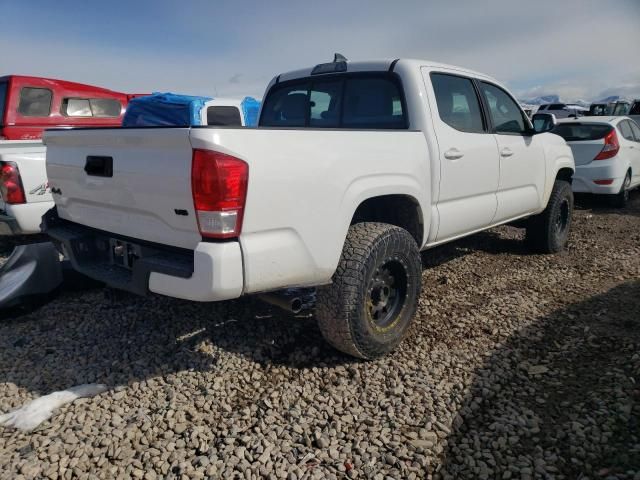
{"type": "Point", "coordinates": [467, 154]}
{"type": "Point", "coordinates": [522, 160]}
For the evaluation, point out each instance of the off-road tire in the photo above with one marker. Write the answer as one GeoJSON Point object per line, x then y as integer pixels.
{"type": "Point", "coordinates": [344, 308]}
{"type": "Point", "coordinates": [621, 199]}
{"type": "Point", "coordinates": [548, 231]}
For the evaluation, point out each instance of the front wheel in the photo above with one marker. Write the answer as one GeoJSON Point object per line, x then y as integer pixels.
{"type": "Point", "coordinates": [368, 308]}
{"type": "Point", "coordinates": [548, 231]}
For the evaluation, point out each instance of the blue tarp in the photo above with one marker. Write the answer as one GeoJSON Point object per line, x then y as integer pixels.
{"type": "Point", "coordinates": [250, 109]}
{"type": "Point", "coordinates": [164, 109]}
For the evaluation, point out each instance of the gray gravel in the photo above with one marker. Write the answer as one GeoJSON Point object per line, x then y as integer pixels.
{"type": "Point", "coordinates": [518, 366]}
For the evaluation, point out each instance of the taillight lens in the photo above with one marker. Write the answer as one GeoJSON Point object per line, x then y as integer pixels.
{"type": "Point", "coordinates": [611, 146]}
{"type": "Point", "coordinates": [11, 184]}
{"type": "Point", "coordinates": [219, 187]}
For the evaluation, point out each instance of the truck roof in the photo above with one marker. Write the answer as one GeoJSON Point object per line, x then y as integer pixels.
{"type": "Point", "coordinates": [42, 81]}
{"type": "Point", "coordinates": [384, 65]}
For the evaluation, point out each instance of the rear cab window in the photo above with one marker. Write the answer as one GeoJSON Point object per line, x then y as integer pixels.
{"type": "Point", "coordinates": [35, 102]}
{"type": "Point", "coordinates": [372, 100]}
{"type": "Point", "coordinates": [582, 132]}
{"type": "Point", "coordinates": [225, 116]}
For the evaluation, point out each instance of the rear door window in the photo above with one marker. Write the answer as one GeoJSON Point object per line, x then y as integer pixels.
{"type": "Point", "coordinates": [224, 115]}
{"type": "Point", "coordinates": [360, 101]}
{"type": "Point", "coordinates": [636, 130]}
{"type": "Point", "coordinates": [557, 106]}
{"type": "Point", "coordinates": [625, 130]}
{"type": "Point", "coordinates": [576, 132]}
{"type": "Point", "coordinates": [635, 109]}
{"type": "Point", "coordinates": [506, 114]}
{"type": "Point", "coordinates": [458, 104]}
{"type": "Point", "coordinates": [35, 102]}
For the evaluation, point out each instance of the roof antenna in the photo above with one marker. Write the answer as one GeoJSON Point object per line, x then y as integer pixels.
{"type": "Point", "coordinates": [337, 57]}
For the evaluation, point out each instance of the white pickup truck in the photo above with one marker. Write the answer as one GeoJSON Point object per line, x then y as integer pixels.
{"type": "Point", "coordinates": [354, 168]}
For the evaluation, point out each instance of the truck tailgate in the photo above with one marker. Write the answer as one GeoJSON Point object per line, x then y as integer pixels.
{"type": "Point", "coordinates": [145, 195]}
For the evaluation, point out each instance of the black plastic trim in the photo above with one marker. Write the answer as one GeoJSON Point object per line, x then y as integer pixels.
{"type": "Point", "coordinates": [89, 252]}
{"type": "Point", "coordinates": [393, 65]}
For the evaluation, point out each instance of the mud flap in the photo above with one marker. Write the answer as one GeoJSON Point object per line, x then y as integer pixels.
{"type": "Point", "coordinates": [31, 271]}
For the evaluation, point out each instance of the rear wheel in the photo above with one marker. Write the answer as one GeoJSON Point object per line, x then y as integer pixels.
{"type": "Point", "coordinates": [621, 199]}
{"type": "Point", "coordinates": [548, 232]}
{"type": "Point", "coordinates": [368, 308]}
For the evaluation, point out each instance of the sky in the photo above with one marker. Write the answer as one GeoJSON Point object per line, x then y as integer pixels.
{"type": "Point", "coordinates": [578, 49]}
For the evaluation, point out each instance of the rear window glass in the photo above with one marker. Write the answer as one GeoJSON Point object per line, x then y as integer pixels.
{"type": "Point", "coordinates": [575, 132]}
{"type": "Point", "coordinates": [35, 102]}
{"type": "Point", "coordinates": [223, 116]}
{"type": "Point", "coordinates": [90, 107]}
{"type": "Point", "coordinates": [372, 101]}
{"type": "Point", "coordinates": [3, 94]}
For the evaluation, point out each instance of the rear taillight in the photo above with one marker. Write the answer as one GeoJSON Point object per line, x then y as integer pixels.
{"type": "Point", "coordinates": [611, 146]}
{"type": "Point", "coordinates": [11, 184]}
{"type": "Point", "coordinates": [219, 187]}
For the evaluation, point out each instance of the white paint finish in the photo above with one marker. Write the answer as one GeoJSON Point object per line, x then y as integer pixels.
{"type": "Point", "coordinates": [522, 175]}
{"type": "Point", "coordinates": [306, 185]}
{"type": "Point", "coordinates": [217, 275]}
{"type": "Point", "coordinates": [469, 173]}
{"type": "Point", "coordinates": [29, 156]}
{"type": "Point", "coordinates": [151, 179]}
{"type": "Point", "coordinates": [28, 215]}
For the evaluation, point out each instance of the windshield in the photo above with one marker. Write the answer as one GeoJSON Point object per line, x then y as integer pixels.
{"type": "Point", "coordinates": [576, 132]}
{"type": "Point", "coordinates": [3, 94]}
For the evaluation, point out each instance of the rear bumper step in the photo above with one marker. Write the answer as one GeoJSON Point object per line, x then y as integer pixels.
{"type": "Point", "coordinates": [211, 272]}
{"type": "Point", "coordinates": [89, 251]}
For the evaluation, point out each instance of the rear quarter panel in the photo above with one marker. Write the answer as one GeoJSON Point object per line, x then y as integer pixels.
{"type": "Point", "coordinates": [304, 187]}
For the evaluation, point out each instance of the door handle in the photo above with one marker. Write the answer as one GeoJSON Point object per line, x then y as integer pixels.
{"type": "Point", "coordinates": [506, 152]}
{"type": "Point", "coordinates": [453, 154]}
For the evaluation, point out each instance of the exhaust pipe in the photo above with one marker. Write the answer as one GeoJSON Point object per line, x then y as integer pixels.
{"type": "Point", "coordinates": [293, 300]}
{"type": "Point", "coordinates": [292, 304]}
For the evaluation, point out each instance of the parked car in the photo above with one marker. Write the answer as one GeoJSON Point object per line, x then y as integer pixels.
{"type": "Point", "coordinates": [28, 105]}
{"type": "Point", "coordinates": [354, 168]}
{"type": "Point", "coordinates": [24, 191]}
{"type": "Point", "coordinates": [562, 110]}
{"type": "Point", "coordinates": [607, 155]}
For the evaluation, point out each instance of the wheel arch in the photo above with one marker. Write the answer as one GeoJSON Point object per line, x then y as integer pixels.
{"type": "Point", "coordinates": [401, 210]}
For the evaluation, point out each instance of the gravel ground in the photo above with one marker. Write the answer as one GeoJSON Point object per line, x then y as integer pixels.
{"type": "Point", "coordinates": [518, 366]}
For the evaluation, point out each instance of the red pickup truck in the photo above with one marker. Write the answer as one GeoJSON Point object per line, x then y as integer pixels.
{"type": "Point", "coordinates": [28, 105]}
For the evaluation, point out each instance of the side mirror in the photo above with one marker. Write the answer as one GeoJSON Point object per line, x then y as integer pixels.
{"type": "Point", "coordinates": [544, 122]}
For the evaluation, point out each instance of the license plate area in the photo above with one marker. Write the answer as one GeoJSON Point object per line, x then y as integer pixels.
{"type": "Point", "coordinates": [124, 254]}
